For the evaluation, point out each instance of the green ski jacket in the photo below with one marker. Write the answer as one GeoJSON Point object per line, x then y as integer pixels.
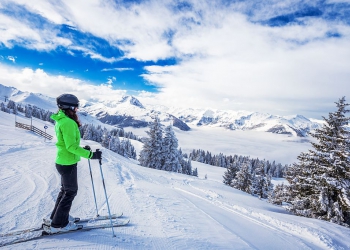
{"type": "Point", "coordinates": [68, 140]}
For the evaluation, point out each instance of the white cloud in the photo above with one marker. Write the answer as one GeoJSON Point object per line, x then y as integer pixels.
{"type": "Point", "coordinates": [117, 69]}
{"type": "Point", "coordinates": [111, 80]}
{"type": "Point", "coordinates": [225, 61]}
{"type": "Point", "coordinates": [281, 70]}
{"type": "Point", "coordinates": [38, 81]}
{"type": "Point", "coordinates": [92, 54]}
{"type": "Point", "coordinates": [12, 58]}
{"type": "Point", "coordinates": [14, 31]}
{"type": "Point", "coordinates": [52, 11]}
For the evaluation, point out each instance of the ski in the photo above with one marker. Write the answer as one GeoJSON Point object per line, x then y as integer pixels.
{"type": "Point", "coordinates": [81, 228]}
{"type": "Point", "coordinates": [29, 230]}
{"type": "Point", "coordinates": [101, 217]}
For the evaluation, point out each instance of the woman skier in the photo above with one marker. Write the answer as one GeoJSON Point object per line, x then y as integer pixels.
{"type": "Point", "coordinates": [68, 154]}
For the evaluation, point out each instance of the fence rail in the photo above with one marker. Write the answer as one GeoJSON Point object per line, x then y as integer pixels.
{"type": "Point", "coordinates": [34, 129]}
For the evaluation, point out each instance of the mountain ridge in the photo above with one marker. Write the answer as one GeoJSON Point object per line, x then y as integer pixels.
{"type": "Point", "coordinates": [130, 112]}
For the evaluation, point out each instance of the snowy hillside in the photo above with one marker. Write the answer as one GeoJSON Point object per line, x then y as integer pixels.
{"type": "Point", "coordinates": [167, 210]}
{"type": "Point", "coordinates": [37, 99]}
{"type": "Point", "coordinates": [130, 112]}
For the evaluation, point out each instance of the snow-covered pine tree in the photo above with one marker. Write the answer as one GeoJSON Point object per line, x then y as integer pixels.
{"type": "Point", "coordinates": [267, 187]}
{"type": "Point", "coordinates": [230, 174]}
{"type": "Point", "coordinates": [279, 194]}
{"type": "Point", "coordinates": [106, 136]}
{"type": "Point", "coordinates": [126, 148]}
{"type": "Point", "coordinates": [98, 132]}
{"type": "Point", "coordinates": [278, 171]}
{"type": "Point", "coordinates": [2, 106]}
{"type": "Point", "coordinates": [186, 166]}
{"type": "Point", "coordinates": [195, 172]}
{"type": "Point", "coordinates": [20, 108]}
{"type": "Point", "coordinates": [170, 152]}
{"type": "Point", "coordinates": [189, 166]}
{"type": "Point", "coordinates": [28, 111]}
{"type": "Point", "coordinates": [320, 182]}
{"type": "Point", "coordinates": [129, 149]}
{"type": "Point", "coordinates": [182, 158]}
{"type": "Point", "coordinates": [15, 110]}
{"type": "Point", "coordinates": [151, 153]}
{"type": "Point", "coordinates": [261, 182]}
{"type": "Point", "coordinates": [257, 188]}
{"type": "Point", "coordinates": [88, 133]}
{"type": "Point", "coordinates": [258, 179]}
{"type": "Point", "coordinates": [114, 144]}
{"type": "Point", "coordinates": [11, 104]}
{"type": "Point", "coordinates": [243, 180]}
{"type": "Point", "coordinates": [47, 116]}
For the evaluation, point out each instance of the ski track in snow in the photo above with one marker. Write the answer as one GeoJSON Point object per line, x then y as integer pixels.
{"type": "Point", "coordinates": [278, 228]}
{"type": "Point", "coordinates": [26, 176]}
{"type": "Point", "coordinates": [166, 210]}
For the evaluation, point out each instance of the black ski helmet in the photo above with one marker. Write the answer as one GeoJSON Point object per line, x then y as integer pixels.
{"type": "Point", "coordinates": [67, 101]}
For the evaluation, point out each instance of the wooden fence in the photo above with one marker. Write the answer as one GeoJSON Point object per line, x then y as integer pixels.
{"type": "Point", "coordinates": [34, 129]}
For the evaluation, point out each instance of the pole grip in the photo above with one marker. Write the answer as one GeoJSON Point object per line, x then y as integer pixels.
{"type": "Point", "coordinates": [100, 160]}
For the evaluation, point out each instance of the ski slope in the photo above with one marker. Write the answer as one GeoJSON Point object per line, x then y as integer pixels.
{"type": "Point", "coordinates": [166, 210]}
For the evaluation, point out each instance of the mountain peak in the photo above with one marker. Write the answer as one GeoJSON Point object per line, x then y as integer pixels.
{"type": "Point", "coordinates": [132, 100]}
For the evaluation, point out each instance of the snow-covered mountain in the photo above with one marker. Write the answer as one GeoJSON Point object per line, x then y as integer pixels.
{"type": "Point", "coordinates": [295, 125]}
{"type": "Point", "coordinates": [36, 99]}
{"type": "Point", "coordinates": [130, 112]}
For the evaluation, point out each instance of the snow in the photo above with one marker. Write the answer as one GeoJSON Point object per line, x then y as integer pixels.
{"type": "Point", "coordinates": [167, 210]}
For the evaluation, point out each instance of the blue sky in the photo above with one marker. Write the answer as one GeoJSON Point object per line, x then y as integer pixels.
{"type": "Point", "coordinates": [280, 57]}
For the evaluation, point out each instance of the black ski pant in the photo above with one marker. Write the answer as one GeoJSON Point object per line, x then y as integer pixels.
{"type": "Point", "coordinates": [69, 189]}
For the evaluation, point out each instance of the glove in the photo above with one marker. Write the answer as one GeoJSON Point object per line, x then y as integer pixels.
{"type": "Point", "coordinates": [87, 147]}
{"type": "Point", "coordinates": [97, 155]}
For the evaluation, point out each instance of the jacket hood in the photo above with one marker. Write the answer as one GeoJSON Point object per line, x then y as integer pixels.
{"type": "Point", "coordinates": [58, 116]}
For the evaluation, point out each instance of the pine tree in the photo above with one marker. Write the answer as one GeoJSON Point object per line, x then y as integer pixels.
{"type": "Point", "coordinates": [257, 187]}
{"type": "Point", "coordinates": [106, 136]}
{"type": "Point", "coordinates": [279, 195]}
{"type": "Point", "coordinates": [258, 179]}
{"type": "Point", "coordinates": [230, 174]}
{"type": "Point", "coordinates": [127, 150]}
{"type": "Point", "coordinates": [98, 133]}
{"type": "Point", "coordinates": [320, 182]}
{"type": "Point", "coordinates": [181, 159]}
{"type": "Point", "coordinates": [243, 179]}
{"type": "Point", "coordinates": [114, 144]}
{"type": "Point", "coordinates": [186, 166]}
{"type": "Point", "coordinates": [151, 153]}
{"type": "Point", "coordinates": [28, 111]}
{"type": "Point", "coordinates": [11, 104]}
{"type": "Point", "coordinates": [267, 187]}
{"type": "Point", "coordinates": [88, 134]}
{"type": "Point", "coordinates": [2, 107]}
{"type": "Point", "coordinates": [195, 172]}
{"type": "Point", "coordinates": [170, 152]}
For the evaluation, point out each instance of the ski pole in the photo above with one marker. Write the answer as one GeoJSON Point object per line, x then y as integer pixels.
{"type": "Point", "coordinates": [104, 187]}
{"type": "Point", "coordinates": [93, 189]}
